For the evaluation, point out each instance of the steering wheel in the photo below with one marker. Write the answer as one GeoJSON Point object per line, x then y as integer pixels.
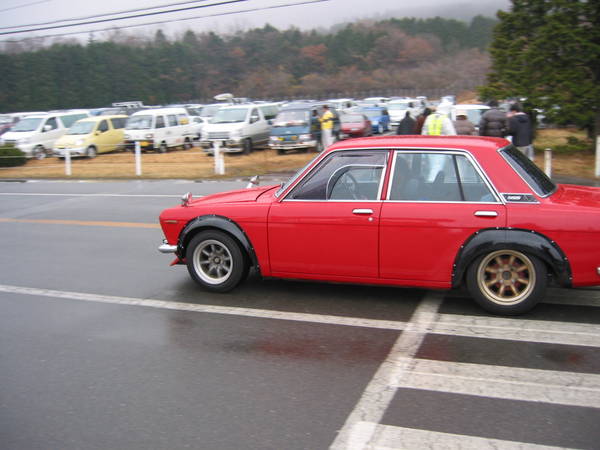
{"type": "Point", "coordinates": [351, 185]}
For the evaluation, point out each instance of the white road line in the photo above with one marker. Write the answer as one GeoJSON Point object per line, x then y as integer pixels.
{"type": "Point", "coordinates": [378, 393]}
{"type": "Point", "coordinates": [399, 438]}
{"type": "Point", "coordinates": [46, 194]}
{"type": "Point", "coordinates": [518, 329]}
{"type": "Point", "coordinates": [249, 312]}
{"type": "Point", "coordinates": [509, 383]}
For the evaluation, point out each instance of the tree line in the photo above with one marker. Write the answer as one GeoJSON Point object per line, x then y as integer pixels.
{"type": "Point", "coordinates": [265, 62]}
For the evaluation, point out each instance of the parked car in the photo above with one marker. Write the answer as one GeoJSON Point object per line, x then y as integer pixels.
{"type": "Point", "coordinates": [423, 211]}
{"type": "Point", "coordinates": [159, 129]}
{"type": "Point", "coordinates": [398, 108]}
{"type": "Point", "coordinates": [474, 112]}
{"type": "Point", "coordinates": [355, 125]}
{"type": "Point", "coordinates": [36, 134]}
{"type": "Point", "coordinates": [379, 117]}
{"type": "Point", "coordinates": [7, 121]}
{"type": "Point", "coordinates": [239, 128]}
{"type": "Point", "coordinates": [92, 135]}
{"type": "Point", "coordinates": [297, 127]}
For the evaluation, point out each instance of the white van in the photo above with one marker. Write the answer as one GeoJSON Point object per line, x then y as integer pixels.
{"type": "Point", "coordinates": [159, 129]}
{"type": "Point", "coordinates": [240, 128]}
{"type": "Point", "coordinates": [36, 134]}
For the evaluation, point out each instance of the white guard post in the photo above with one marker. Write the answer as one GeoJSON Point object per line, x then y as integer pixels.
{"type": "Point", "coordinates": [138, 159]}
{"type": "Point", "coordinates": [68, 171]}
{"type": "Point", "coordinates": [548, 162]}
{"type": "Point", "coordinates": [219, 159]}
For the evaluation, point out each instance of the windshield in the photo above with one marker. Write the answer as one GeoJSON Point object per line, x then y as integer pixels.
{"type": "Point", "coordinates": [532, 174]}
{"type": "Point", "coordinates": [352, 118]}
{"type": "Point", "coordinates": [30, 124]}
{"type": "Point", "coordinates": [230, 115]}
{"type": "Point", "coordinates": [291, 118]}
{"type": "Point", "coordinates": [285, 185]}
{"type": "Point", "coordinates": [139, 123]}
{"type": "Point", "coordinates": [81, 128]}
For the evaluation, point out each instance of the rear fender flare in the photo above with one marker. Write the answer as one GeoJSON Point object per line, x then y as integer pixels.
{"type": "Point", "coordinates": [215, 222]}
{"type": "Point", "coordinates": [527, 241]}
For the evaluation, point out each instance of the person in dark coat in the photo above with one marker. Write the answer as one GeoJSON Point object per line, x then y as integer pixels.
{"type": "Point", "coordinates": [421, 120]}
{"type": "Point", "coordinates": [407, 125]}
{"type": "Point", "coordinates": [493, 122]}
{"type": "Point", "coordinates": [521, 130]}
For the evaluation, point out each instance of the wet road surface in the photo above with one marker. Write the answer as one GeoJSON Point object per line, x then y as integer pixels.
{"type": "Point", "coordinates": [103, 345]}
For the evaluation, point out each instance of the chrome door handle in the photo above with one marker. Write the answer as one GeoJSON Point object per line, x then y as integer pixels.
{"type": "Point", "coordinates": [486, 213]}
{"type": "Point", "coordinates": [362, 211]}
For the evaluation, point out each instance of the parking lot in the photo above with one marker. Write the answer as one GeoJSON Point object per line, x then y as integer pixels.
{"type": "Point", "coordinates": [103, 345]}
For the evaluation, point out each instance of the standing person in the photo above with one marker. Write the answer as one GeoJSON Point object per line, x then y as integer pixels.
{"type": "Point", "coordinates": [421, 120]}
{"type": "Point", "coordinates": [438, 123]}
{"type": "Point", "coordinates": [494, 121]}
{"type": "Point", "coordinates": [407, 125]}
{"type": "Point", "coordinates": [326, 120]}
{"type": "Point", "coordinates": [463, 125]}
{"type": "Point", "coordinates": [521, 130]}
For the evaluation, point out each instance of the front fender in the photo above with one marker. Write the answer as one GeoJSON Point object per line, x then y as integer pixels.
{"type": "Point", "coordinates": [526, 241]}
{"type": "Point", "coordinates": [215, 222]}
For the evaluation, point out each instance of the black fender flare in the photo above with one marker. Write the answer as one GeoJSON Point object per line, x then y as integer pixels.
{"type": "Point", "coordinates": [215, 222]}
{"type": "Point", "coordinates": [527, 241]}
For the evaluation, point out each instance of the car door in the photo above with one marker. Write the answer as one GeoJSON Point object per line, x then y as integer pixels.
{"type": "Point", "coordinates": [435, 202]}
{"type": "Point", "coordinates": [102, 137]}
{"type": "Point", "coordinates": [328, 225]}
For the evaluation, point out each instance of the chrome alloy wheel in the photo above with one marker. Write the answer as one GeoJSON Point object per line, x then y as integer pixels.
{"type": "Point", "coordinates": [506, 277]}
{"type": "Point", "coordinates": [213, 261]}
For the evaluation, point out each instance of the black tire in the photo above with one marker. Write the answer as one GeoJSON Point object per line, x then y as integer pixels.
{"type": "Point", "coordinates": [247, 146]}
{"type": "Point", "coordinates": [507, 281]}
{"type": "Point", "coordinates": [280, 151]}
{"type": "Point", "coordinates": [187, 144]}
{"type": "Point", "coordinates": [39, 152]}
{"type": "Point", "coordinates": [91, 152]}
{"type": "Point", "coordinates": [215, 261]}
{"type": "Point", "coordinates": [163, 148]}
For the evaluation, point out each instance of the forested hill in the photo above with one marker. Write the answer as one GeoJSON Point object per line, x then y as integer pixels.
{"type": "Point", "coordinates": [258, 63]}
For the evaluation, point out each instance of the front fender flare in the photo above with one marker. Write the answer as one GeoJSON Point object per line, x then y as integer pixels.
{"type": "Point", "coordinates": [527, 241]}
{"type": "Point", "coordinates": [215, 222]}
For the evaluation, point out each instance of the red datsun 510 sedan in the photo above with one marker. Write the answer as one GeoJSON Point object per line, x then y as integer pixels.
{"type": "Point", "coordinates": [421, 211]}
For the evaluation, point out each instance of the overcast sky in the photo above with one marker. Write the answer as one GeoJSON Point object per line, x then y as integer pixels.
{"type": "Point", "coordinates": [224, 18]}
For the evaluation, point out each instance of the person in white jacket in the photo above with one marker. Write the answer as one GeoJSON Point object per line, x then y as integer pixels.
{"type": "Point", "coordinates": [438, 123]}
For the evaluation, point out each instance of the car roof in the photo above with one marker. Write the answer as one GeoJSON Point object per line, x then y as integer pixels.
{"type": "Point", "coordinates": [99, 118]}
{"type": "Point", "coordinates": [419, 142]}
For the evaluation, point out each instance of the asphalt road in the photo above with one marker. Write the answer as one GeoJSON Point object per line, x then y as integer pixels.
{"type": "Point", "coordinates": [104, 346]}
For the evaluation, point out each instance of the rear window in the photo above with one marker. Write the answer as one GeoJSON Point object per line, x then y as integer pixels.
{"type": "Point", "coordinates": [532, 174]}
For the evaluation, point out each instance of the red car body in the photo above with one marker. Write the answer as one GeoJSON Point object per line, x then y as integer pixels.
{"type": "Point", "coordinates": [355, 125]}
{"type": "Point", "coordinates": [433, 212]}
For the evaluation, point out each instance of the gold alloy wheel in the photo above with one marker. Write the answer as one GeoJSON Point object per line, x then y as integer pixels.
{"type": "Point", "coordinates": [506, 277]}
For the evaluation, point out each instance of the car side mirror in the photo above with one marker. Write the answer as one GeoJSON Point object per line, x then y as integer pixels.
{"type": "Point", "coordinates": [47, 128]}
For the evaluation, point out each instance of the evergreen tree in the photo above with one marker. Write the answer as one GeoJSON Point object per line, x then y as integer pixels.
{"type": "Point", "coordinates": [548, 51]}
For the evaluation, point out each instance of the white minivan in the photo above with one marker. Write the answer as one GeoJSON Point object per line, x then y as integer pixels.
{"type": "Point", "coordinates": [159, 129]}
{"type": "Point", "coordinates": [240, 128]}
{"type": "Point", "coordinates": [36, 134]}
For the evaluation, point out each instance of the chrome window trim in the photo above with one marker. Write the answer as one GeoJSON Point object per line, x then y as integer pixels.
{"type": "Point", "coordinates": [499, 199]}
{"type": "Point", "coordinates": [319, 161]}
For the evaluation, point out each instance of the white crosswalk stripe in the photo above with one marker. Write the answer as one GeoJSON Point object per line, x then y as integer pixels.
{"type": "Point", "coordinates": [390, 437]}
{"type": "Point", "coordinates": [513, 383]}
